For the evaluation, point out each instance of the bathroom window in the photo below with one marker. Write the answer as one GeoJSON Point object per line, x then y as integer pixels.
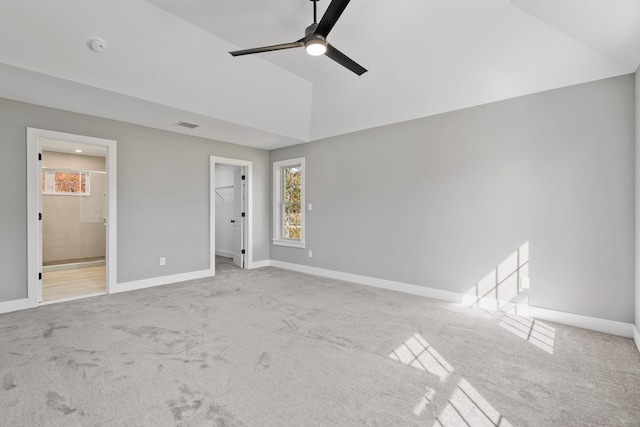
{"type": "Point", "coordinates": [65, 182]}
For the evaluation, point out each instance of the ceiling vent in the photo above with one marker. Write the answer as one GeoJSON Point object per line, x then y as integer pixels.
{"type": "Point", "coordinates": [187, 125]}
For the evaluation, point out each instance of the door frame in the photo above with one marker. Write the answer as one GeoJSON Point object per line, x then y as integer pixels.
{"type": "Point", "coordinates": [34, 208]}
{"type": "Point", "coordinates": [239, 172]}
{"type": "Point", "coordinates": [248, 232]}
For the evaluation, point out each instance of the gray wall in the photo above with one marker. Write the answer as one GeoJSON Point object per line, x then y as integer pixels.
{"type": "Point", "coordinates": [163, 194]}
{"type": "Point", "coordinates": [441, 201]}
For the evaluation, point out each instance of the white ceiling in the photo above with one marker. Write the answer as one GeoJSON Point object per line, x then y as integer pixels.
{"type": "Point", "coordinates": [168, 61]}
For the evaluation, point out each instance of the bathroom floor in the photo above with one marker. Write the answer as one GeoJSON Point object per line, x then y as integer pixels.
{"type": "Point", "coordinates": [72, 283]}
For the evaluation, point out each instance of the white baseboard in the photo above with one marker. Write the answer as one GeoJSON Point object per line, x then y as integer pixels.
{"type": "Point", "coordinates": [601, 325]}
{"type": "Point", "coordinates": [14, 305]}
{"type": "Point", "coordinates": [250, 265]}
{"type": "Point", "coordinates": [225, 254]}
{"type": "Point", "coordinates": [595, 324]}
{"type": "Point", "coordinates": [260, 264]}
{"type": "Point", "coordinates": [372, 281]}
{"type": "Point", "coordinates": [636, 337]}
{"type": "Point", "coordinates": [158, 281]}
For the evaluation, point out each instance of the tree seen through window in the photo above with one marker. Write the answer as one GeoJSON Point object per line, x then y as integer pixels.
{"type": "Point", "coordinates": [291, 202]}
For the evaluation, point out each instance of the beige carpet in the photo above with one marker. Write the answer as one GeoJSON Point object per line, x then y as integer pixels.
{"type": "Point", "coordinates": [270, 347]}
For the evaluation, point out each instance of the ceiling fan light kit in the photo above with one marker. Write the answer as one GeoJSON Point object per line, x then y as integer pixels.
{"type": "Point", "coordinates": [315, 39]}
{"type": "Point", "coordinates": [316, 46]}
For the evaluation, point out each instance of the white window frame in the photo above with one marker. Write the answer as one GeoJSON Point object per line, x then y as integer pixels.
{"type": "Point", "coordinates": [278, 238]}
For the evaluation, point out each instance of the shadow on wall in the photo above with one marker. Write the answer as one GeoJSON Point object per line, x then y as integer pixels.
{"type": "Point", "coordinates": [503, 295]}
{"type": "Point", "coordinates": [462, 404]}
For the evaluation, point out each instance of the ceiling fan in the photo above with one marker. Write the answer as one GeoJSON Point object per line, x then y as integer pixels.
{"type": "Point", "coordinates": [315, 39]}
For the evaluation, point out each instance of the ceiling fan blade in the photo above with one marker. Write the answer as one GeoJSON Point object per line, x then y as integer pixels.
{"type": "Point", "coordinates": [298, 43]}
{"type": "Point", "coordinates": [344, 60]}
{"type": "Point", "coordinates": [331, 16]}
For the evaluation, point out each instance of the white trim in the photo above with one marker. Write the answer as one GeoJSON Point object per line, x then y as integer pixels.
{"type": "Point", "coordinates": [14, 305]}
{"type": "Point", "coordinates": [34, 241]}
{"type": "Point", "coordinates": [277, 200]}
{"type": "Point", "coordinates": [261, 264]}
{"type": "Point", "coordinates": [212, 209]}
{"type": "Point", "coordinates": [372, 281]}
{"type": "Point", "coordinates": [289, 242]}
{"type": "Point", "coordinates": [159, 281]}
{"type": "Point", "coordinates": [96, 294]}
{"type": "Point", "coordinates": [586, 322]}
{"type": "Point", "coordinates": [225, 254]}
{"type": "Point", "coordinates": [636, 336]}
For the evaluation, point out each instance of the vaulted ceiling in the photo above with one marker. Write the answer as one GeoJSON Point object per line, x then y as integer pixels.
{"type": "Point", "coordinates": [167, 60]}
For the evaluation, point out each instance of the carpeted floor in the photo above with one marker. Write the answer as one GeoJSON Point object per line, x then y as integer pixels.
{"type": "Point", "coordinates": [270, 347]}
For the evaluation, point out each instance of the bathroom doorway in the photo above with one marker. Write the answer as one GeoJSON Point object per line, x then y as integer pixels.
{"type": "Point", "coordinates": [72, 239]}
{"type": "Point", "coordinates": [74, 220]}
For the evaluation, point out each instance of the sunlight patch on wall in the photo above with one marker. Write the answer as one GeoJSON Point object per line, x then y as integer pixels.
{"type": "Point", "coordinates": [505, 288]}
{"type": "Point", "coordinates": [503, 296]}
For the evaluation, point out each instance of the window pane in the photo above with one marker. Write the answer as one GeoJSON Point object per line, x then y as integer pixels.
{"type": "Point", "coordinates": [67, 182]}
{"type": "Point", "coordinates": [292, 197]}
{"type": "Point", "coordinates": [292, 221]}
{"type": "Point", "coordinates": [292, 184]}
{"type": "Point", "coordinates": [288, 202]}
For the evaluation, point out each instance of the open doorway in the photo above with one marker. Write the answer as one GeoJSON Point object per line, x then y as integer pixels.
{"type": "Point", "coordinates": [230, 213]}
{"type": "Point", "coordinates": [230, 207]}
{"type": "Point", "coordinates": [74, 219]}
{"type": "Point", "coordinates": [71, 227]}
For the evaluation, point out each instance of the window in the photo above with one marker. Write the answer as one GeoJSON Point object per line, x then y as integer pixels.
{"type": "Point", "coordinates": [65, 182]}
{"type": "Point", "coordinates": [288, 203]}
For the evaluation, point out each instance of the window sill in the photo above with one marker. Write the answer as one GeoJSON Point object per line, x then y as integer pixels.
{"type": "Point", "coordinates": [290, 243]}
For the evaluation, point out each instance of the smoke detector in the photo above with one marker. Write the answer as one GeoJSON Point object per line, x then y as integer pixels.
{"type": "Point", "coordinates": [97, 45]}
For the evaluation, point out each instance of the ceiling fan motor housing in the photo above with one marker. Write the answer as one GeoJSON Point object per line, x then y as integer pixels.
{"type": "Point", "coordinates": [310, 29]}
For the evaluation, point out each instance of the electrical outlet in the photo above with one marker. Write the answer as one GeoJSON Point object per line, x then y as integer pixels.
{"type": "Point", "coordinates": [524, 282]}
{"type": "Point", "coordinates": [310, 254]}
{"type": "Point", "coordinates": [163, 260]}
{"type": "Point", "coordinates": [310, 206]}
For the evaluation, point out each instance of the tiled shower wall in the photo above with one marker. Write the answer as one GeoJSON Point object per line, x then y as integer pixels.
{"type": "Point", "coordinates": [72, 225]}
